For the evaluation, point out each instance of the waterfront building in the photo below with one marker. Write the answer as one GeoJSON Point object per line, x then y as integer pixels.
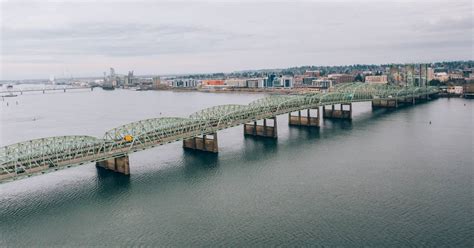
{"type": "Point", "coordinates": [287, 81]}
{"type": "Point", "coordinates": [129, 79]}
{"type": "Point", "coordinates": [341, 78]}
{"type": "Point", "coordinates": [468, 90]}
{"type": "Point", "coordinates": [457, 90]}
{"type": "Point", "coordinates": [236, 82]}
{"type": "Point", "coordinates": [442, 76]}
{"type": "Point", "coordinates": [298, 80]}
{"type": "Point", "coordinates": [322, 84]}
{"type": "Point", "coordinates": [316, 73]}
{"type": "Point", "coordinates": [381, 79]}
{"type": "Point", "coordinates": [308, 80]}
{"type": "Point", "coordinates": [213, 82]}
{"type": "Point", "coordinates": [283, 82]}
{"type": "Point", "coordinates": [255, 83]}
{"type": "Point", "coordinates": [185, 83]}
{"type": "Point", "coordinates": [156, 82]}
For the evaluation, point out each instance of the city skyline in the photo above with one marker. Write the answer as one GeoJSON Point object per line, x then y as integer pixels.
{"type": "Point", "coordinates": [84, 39]}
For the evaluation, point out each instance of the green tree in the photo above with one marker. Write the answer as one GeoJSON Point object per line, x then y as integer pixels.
{"type": "Point", "coordinates": [359, 78]}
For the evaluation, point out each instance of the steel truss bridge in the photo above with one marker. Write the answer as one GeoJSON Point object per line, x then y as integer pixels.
{"type": "Point", "coordinates": [39, 156]}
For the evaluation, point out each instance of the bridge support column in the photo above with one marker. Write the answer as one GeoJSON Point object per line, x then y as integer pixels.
{"type": "Point", "coordinates": [307, 120]}
{"type": "Point", "coordinates": [338, 113]}
{"type": "Point", "coordinates": [203, 143]}
{"type": "Point", "coordinates": [262, 130]}
{"type": "Point", "coordinates": [385, 103]}
{"type": "Point", "coordinates": [119, 164]}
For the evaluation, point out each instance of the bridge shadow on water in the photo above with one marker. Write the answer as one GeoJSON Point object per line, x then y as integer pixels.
{"type": "Point", "coordinates": [109, 181]}
{"type": "Point", "coordinates": [199, 162]}
{"type": "Point", "coordinates": [298, 134]}
{"type": "Point", "coordinates": [255, 147]}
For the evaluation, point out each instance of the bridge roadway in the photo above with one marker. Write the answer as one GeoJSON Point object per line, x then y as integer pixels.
{"type": "Point", "coordinates": [44, 155]}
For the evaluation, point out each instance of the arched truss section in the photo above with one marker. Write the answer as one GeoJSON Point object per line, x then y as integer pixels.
{"type": "Point", "coordinates": [218, 115]}
{"type": "Point", "coordinates": [270, 102]}
{"type": "Point", "coordinates": [215, 112]}
{"type": "Point", "coordinates": [151, 131]}
{"type": "Point", "coordinates": [23, 156]}
{"type": "Point", "coordinates": [364, 91]}
{"type": "Point", "coordinates": [142, 127]}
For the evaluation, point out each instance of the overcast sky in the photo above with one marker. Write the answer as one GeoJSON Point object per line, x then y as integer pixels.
{"type": "Point", "coordinates": [85, 38]}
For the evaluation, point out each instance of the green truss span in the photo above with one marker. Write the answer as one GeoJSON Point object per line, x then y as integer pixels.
{"type": "Point", "coordinates": [52, 153]}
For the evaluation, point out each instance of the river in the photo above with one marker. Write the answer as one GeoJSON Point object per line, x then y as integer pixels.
{"type": "Point", "coordinates": [388, 178]}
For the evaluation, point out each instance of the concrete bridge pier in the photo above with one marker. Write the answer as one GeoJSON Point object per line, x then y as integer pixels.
{"type": "Point", "coordinates": [385, 103]}
{"type": "Point", "coordinates": [262, 130]}
{"type": "Point", "coordinates": [203, 143]}
{"type": "Point", "coordinates": [119, 164]}
{"type": "Point", "coordinates": [338, 113]}
{"type": "Point", "coordinates": [308, 120]}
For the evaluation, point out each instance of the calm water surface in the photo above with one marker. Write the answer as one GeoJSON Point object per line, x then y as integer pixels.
{"type": "Point", "coordinates": [388, 178]}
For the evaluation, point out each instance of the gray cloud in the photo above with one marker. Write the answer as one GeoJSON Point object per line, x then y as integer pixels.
{"type": "Point", "coordinates": [39, 39]}
{"type": "Point", "coordinates": [113, 39]}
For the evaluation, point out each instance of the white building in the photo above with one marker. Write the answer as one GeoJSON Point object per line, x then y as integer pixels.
{"type": "Point", "coordinates": [255, 83]}
{"type": "Point", "coordinates": [458, 90]}
{"type": "Point", "coordinates": [236, 82]}
{"type": "Point", "coordinates": [185, 83]}
{"type": "Point", "coordinates": [442, 76]}
{"type": "Point", "coordinates": [322, 83]}
{"type": "Point", "coordinates": [283, 81]}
